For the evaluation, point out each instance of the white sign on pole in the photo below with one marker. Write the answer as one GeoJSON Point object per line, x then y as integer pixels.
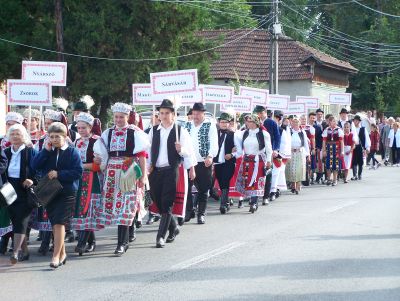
{"type": "Point", "coordinates": [174, 82]}
{"type": "Point", "coordinates": [310, 101]}
{"type": "Point", "coordinates": [296, 108]}
{"type": "Point", "coordinates": [188, 99]}
{"type": "Point", "coordinates": [239, 104]}
{"type": "Point", "coordinates": [217, 94]}
{"type": "Point", "coordinates": [340, 98]}
{"type": "Point", "coordinates": [141, 94]}
{"type": "Point", "coordinates": [259, 96]}
{"type": "Point", "coordinates": [28, 93]}
{"type": "Point", "coordinates": [278, 102]}
{"type": "Point", "coordinates": [53, 72]}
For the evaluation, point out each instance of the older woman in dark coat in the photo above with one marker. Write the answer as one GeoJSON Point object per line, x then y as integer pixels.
{"type": "Point", "coordinates": [60, 161]}
{"type": "Point", "coordinates": [20, 175]}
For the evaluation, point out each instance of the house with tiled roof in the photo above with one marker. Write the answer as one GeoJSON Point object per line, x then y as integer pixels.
{"type": "Point", "coordinates": [303, 70]}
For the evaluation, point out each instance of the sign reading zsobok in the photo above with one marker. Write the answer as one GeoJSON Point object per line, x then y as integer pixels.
{"type": "Point", "coordinates": [28, 93]}
{"type": "Point", "coordinates": [340, 98]}
{"type": "Point", "coordinates": [259, 96]}
{"type": "Point", "coordinates": [239, 104]}
{"type": "Point", "coordinates": [217, 94]}
{"type": "Point", "coordinates": [278, 102]}
{"type": "Point", "coordinates": [174, 82]}
{"type": "Point", "coordinates": [53, 72]}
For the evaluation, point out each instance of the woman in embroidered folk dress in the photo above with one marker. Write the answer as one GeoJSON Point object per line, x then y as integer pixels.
{"type": "Point", "coordinates": [126, 145]}
{"type": "Point", "coordinates": [34, 132]}
{"type": "Point", "coordinates": [296, 167]}
{"type": "Point", "coordinates": [255, 144]}
{"type": "Point", "coordinates": [349, 141]}
{"type": "Point", "coordinates": [88, 199]}
{"type": "Point", "coordinates": [333, 150]}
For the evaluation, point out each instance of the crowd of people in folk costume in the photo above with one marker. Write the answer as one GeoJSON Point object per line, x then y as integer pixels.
{"type": "Point", "coordinates": [169, 170]}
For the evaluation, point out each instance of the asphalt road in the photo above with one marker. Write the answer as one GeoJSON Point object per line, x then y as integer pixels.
{"type": "Point", "coordinates": [328, 243]}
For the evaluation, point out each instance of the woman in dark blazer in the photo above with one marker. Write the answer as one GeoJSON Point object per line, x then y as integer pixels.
{"type": "Point", "coordinates": [20, 175]}
{"type": "Point", "coordinates": [60, 161]}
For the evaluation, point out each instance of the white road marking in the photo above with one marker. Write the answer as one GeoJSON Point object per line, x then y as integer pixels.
{"type": "Point", "coordinates": [336, 208]}
{"type": "Point", "coordinates": [206, 256]}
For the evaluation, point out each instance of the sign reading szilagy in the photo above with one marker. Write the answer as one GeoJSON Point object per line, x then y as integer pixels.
{"type": "Point", "coordinates": [141, 94]}
{"type": "Point", "coordinates": [310, 101]}
{"type": "Point", "coordinates": [340, 98]}
{"type": "Point", "coordinates": [296, 108]}
{"type": "Point", "coordinates": [53, 72]}
{"type": "Point", "coordinates": [239, 104]}
{"type": "Point", "coordinates": [174, 82]}
{"type": "Point", "coordinates": [28, 93]}
{"type": "Point", "coordinates": [278, 102]}
{"type": "Point", "coordinates": [259, 96]}
{"type": "Point", "coordinates": [217, 94]}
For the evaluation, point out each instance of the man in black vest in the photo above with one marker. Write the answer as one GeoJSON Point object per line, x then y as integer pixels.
{"type": "Point", "coordinates": [204, 138]}
{"type": "Point", "coordinates": [224, 162]}
{"type": "Point", "coordinates": [361, 148]}
{"type": "Point", "coordinates": [167, 152]}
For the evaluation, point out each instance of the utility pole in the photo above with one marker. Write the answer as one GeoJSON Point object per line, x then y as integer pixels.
{"type": "Point", "coordinates": [59, 38]}
{"type": "Point", "coordinates": [275, 32]}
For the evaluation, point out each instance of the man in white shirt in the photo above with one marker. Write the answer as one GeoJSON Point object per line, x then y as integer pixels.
{"type": "Point", "coordinates": [168, 142]}
{"type": "Point", "coordinates": [368, 121]}
{"type": "Point", "coordinates": [361, 149]}
{"type": "Point", "coordinates": [205, 144]}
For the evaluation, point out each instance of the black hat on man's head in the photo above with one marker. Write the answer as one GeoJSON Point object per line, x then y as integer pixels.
{"type": "Point", "coordinates": [166, 104]}
{"type": "Point", "coordinates": [357, 117]}
{"type": "Point", "coordinates": [319, 111]}
{"type": "Point", "coordinates": [81, 106]}
{"type": "Point", "coordinates": [198, 106]}
{"type": "Point", "coordinates": [258, 109]}
{"type": "Point", "coordinates": [225, 116]}
{"type": "Point", "coordinates": [343, 111]}
{"type": "Point", "coordinates": [278, 113]}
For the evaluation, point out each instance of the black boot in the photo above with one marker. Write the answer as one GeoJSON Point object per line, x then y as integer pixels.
{"type": "Point", "coordinates": [162, 229]}
{"type": "Point", "coordinates": [45, 244]}
{"type": "Point", "coordinates": [4, 243]}
{"type": "Point", "coordinates": [132, 232]}
{"type": "Point", "coordinates": [91, 243]}
{"type": "Point", "coordinates": [123, 237]}
{"type": "Point", "coordinates": [173, 230]}
{"type": "Point", "coordinates": [224, 206]}
{"type": "Point", "coordinates": [201, 212]}
{"type": "Point", "coordinates": [82, 240]}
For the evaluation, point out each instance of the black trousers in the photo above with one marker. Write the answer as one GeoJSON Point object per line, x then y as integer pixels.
{"type": "Point", "coordinates": [357, 161]}
{"type": "Point", "coordinates": [163, 188]}
{"type": "Point", "coordinates": [203, 183]}
{"type": "Point", "coordinates": [224, 173]}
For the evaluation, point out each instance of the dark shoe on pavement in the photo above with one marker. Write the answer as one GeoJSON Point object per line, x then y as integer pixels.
{"type": "Point", "coordinates": [265, 202]}
{"type": "Point", "coordinates": [90, 248]}
{"type": "Point", "coordinates": [354, 179]}
{"type": "Point", "coordinates": [181, 221]}
{"type": "Point", "coordinates": [201, 219]}
{"type": "Point", "coordinates": [120, 250]}
{"type": "Point", "coordinates": [160, 243]}
{"type": "Point", "coordinates": [240, 204]}
{"type": "Point", "coordinates": [171, 237]}
{"type": "Point", "coordinates": [222, 209]}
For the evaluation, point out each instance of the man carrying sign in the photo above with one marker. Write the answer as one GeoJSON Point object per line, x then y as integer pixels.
{"type": "Point", "coordinates": [205, 143]}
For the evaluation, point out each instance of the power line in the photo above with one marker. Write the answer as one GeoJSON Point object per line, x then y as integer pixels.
{"type": "Point", "coordinates": [137, 60]}
{"type": "Point", "coordinates": [375, 10]}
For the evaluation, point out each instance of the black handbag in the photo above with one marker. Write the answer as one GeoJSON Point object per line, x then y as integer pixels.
{"type": "Point", "coordinates": [46, 190]}
{"type": "Point", "coordinates": [7, 195]}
